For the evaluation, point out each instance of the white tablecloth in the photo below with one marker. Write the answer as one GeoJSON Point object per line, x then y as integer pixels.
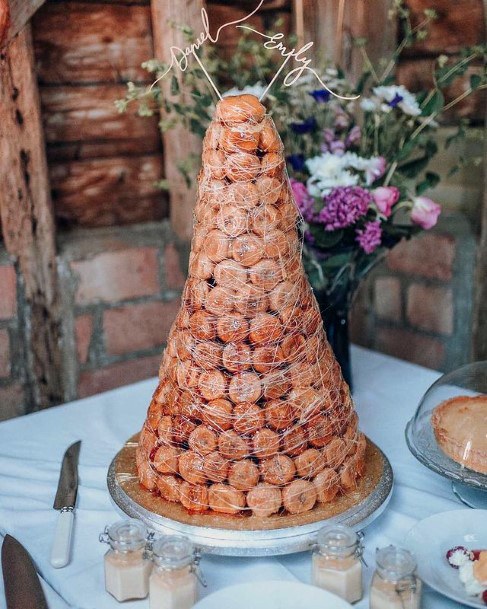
{"type": "Point", "coordinates": [387, 392]}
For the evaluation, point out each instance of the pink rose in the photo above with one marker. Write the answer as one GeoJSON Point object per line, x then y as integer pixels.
{"type": "Point", "coordinates": [425, 212]}
{"type": "Point", "coordinates": [385, 198]}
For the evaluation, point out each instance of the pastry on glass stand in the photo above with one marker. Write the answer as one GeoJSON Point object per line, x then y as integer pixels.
{"type": "Point", "coordinates": [448, 433]}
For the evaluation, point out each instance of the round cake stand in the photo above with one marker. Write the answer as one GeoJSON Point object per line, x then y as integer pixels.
{"type": "Point", "coordinates": [247, 536]}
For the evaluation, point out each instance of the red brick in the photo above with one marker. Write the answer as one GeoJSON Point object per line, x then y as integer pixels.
{"type": "Point", "coordinates": [83, 329]}
{"type": "Point", "coordinates": [4, 353]}
{"type": "Point", "coordinates": [137, 327]}
{"type": "Point", "coordinates": [115, 276]}
{"type": "Point", "coordinates": [430, 308]}
{"type": "Point", "coordinates": [411, 346]}
{"type": "Point", "coordinates": [429, 256]}
{"type": "Point", "coordinates": [8, 292]}
{"type": "Point", "coordinates": [387, 298]}
{"type": "Point", "coordinates": [116, 375]}
{"type": "Point", "coordinates": [11, 401]}
{"type": "Point", "coordinates": [175, 277]}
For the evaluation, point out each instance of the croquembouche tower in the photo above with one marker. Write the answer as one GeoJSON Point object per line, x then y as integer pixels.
{"type": "Point", "coordinates": [251, 414]}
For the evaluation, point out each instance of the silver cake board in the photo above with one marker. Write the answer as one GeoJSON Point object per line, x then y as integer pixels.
{"type": "Point", "coordinates": [255, 542]}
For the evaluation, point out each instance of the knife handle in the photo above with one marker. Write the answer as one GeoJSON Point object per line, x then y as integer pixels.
{"type": "Point", "coordinates": [61, 547]}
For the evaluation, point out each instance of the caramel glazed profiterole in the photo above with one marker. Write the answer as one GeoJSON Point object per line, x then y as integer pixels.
{"type": "Point", "coordinates": [251, 414]}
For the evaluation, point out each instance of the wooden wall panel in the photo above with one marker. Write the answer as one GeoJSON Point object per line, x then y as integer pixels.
{"type": "Point", "coordinates": [86, 43]}
{"type": "Point", "coordinates": [82, 113]}
{"type": "Point", "coordinates": [105, 192]}
{"type": "Point", "coordinates": [103, 164]}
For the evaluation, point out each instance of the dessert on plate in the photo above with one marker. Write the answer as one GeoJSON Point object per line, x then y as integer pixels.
{"type": "Point", "coordinates": [460, 428]}
{"type": "Point", "coordinates": [472, 570]}
{"type": "Point", "coordinates": [251, 414]}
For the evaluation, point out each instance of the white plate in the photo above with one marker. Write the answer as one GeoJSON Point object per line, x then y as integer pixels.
{"type": "Point", "coordinates": [431, 538]}
{"type": "Point", "coordinates": [272, 595]}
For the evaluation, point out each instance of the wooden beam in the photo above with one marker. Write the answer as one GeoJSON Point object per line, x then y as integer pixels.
{"type": "Point", "coordinates": [178, 142]}
{"type": "Point", "coordinates": [27, 218]}
{"type": "Point", "coordinates": [14, 15]}
{"type": "Point", "coordinates": [333, 24]}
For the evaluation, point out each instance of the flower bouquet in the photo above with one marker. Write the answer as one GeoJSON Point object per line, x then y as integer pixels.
{"type": "Point", "coordinates": [358, 167]}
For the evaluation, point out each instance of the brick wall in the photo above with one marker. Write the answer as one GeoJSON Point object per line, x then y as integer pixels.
{"type": "Point", "coordinates": [121, 290]}
{"type": "Point", "coordinates": [418, 304]}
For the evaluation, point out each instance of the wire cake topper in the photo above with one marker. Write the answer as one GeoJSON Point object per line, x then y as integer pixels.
{"type": "Point", "coordinates": [180, 57]}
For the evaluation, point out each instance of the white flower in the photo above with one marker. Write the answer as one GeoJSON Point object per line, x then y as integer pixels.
{"type": "Point", "coordinates": [368, 105]}
{"type": "Point", "coordinates": [256, 90]}
{"type": "Point", "coordinates": [402, 98]}
{"type": "Point", "coordinates": [328, 171]}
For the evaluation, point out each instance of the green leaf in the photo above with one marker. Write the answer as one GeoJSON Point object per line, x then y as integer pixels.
{"type": "Point", "coordinates": [475, 81]}
{"type": "Point", "coordinates": [430, 181]}
{"type": "Point", "coordinates": [362, 82]}
{"type": "Point", "coordinates": [434, 105]}
{"type": "Point", "coordinates": [174, 85]}
{"type": "Point", "coordinates": [325, 239]}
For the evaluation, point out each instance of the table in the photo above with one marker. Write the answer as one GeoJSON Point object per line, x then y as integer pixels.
{"type": "Point", "coordinates": [387, 392]}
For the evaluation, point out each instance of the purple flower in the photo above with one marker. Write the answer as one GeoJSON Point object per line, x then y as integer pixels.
{"type": "Point", "coordinates": [320, 95]}
{"type": "Point", "coordinates": [304, 201]}
{"type": "Point", "coordinates": [344, 206]}
{"type": "Point", "coordinates": [395, 101]}
{"type": "Point", "coordinates": [305, 126]}
{"type": "Point", "coordinates": [308, 237]}
{"type": "Point", "coordinates": [337, 147]}
{"type": "Point", "coordinates": [370, 236]}
{"type": "Point", "coordinates": [296, 161]}
{"type": "Point", "coordinates": [354, 136]}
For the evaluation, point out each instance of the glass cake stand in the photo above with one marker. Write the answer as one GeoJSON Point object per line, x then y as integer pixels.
{"type": "Point", "coordinates": [470, 381]}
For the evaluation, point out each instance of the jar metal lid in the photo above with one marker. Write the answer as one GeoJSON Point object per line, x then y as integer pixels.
{"type": "Point", "coordinates": [173, 552]}
{"type": "Point", "coordinates": [395, 563]}
{"type": "Point", "coordinates": [338, 538]}
{"type": "Point", "coordinates": [126, 535]}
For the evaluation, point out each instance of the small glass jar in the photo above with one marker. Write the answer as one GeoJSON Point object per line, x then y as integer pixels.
{"type": "Point", "coordinates": [337, 563]}
{"type": "Point", "coordinates": [127, 567]}
{"type": "Point", "coordinates": [395, 584]}
{"type": "Point", "coordinates": [173, 583]}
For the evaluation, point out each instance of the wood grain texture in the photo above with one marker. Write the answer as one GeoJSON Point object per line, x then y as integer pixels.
{"type": "Point", "coordinates": [88, 113]}
{"type": "Point", "coordinates": [27, 219]}
{"type": "Point", "coordinates": [105, 192]}
{"type": "Point", "coordinates": [359, 20]}
{"type": "Point", "coordinates": [178, 142]}
{"type": "Point", "coordinates": [79, 43]}
{"type": "Point", "coordinates": [14, 15]}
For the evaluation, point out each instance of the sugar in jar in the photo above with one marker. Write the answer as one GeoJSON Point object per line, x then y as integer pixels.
{"type": "Point", "coordinates": [127, 567]}
{"type": "Point", "coordinates": [395, 584]}
{"type": "Point", "coordinates": [337, 563]}
{"type": "Point", "coordinates": [173, 583]}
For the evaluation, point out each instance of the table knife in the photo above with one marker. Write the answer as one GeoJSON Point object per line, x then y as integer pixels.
{"type": "Point", "coordinates": [22, 586]}
{"type": "Point", "coordinates": [65, 501]}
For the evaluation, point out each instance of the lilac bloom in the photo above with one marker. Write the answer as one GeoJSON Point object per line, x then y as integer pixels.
{"type": "Point", "coordinates": [369, 237]}
{"type": "Point", "coordinates": [344, 206]}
